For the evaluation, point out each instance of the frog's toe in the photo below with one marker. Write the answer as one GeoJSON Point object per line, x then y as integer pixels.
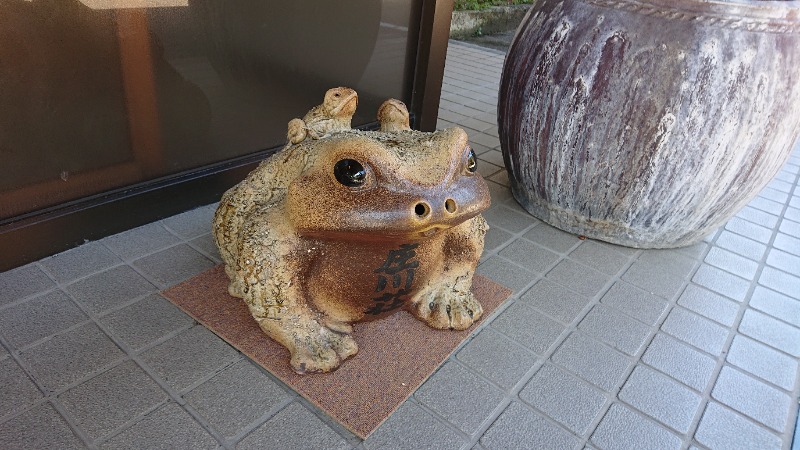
{"type": "Point", "coordinates": [448, 310]}
{"type": "Point", "coordinates": [322, 352]}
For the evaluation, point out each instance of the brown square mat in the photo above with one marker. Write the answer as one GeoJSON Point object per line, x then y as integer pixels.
{"type": "Point", "coordinates": [396, 354]}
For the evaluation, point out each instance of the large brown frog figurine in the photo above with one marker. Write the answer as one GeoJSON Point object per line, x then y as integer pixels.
{"type": "Point", "coordinates": [354, 226]}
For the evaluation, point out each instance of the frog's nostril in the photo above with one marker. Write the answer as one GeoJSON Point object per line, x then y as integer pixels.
{"type": "Point", "coordinates": [422, 209]}
{"type": "Point", "coordinates": [450, 205]}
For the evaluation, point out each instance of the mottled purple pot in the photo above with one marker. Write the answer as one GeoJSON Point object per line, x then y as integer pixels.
{"type": "Point", "coordinates": [649, 123]}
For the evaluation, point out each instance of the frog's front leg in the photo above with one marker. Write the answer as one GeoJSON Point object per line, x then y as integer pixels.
{"type": "Point", "coordinates": [276, 296]}
{"type": "Point", "coordinates": [447, 301]}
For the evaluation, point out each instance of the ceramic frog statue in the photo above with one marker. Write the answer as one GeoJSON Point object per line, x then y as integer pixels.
{"type": "Point", "coordinates": [354, 226]}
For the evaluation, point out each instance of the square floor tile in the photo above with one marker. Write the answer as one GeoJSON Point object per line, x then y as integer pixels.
{"type": "Point", "coordinates": [594, 362]}
{"type": "Point", "coordinates": [140, 241]}
{"type": "Point", "coordinates": [772, 332]}
{"type": "Point", "coordinates": [21, 282]}
{"type": "Point", "coordinates": [763, 362]}
{"type": "Point", "coordinates": [173, 265]}
{"type": "Point", "coordinates": [556, 301]}
{"type": "Point", "coordinates": [528, 327]}
{"type": "Point", "coordinates": [463, 407]}
{"type": "Point", "coordinates": [709, 304]}
{"type": "Point", "coordinates": [615, 329]}
{"type": "Point", "coordinates": [565, 398]}
{"type": "Point", "coordinates": [578, 277]}
{"type": "Point", "coordinates": [635, 302]}
{"type": "Point", "coordinates": [661, 398]}
{"type": "Point", "coordinates": [17, 391]}
{"type": "Point", "coordinates": [723, 428]}
{"type": "Point", "coordinates": [495, 357]}
{"type": "Point", "coordinates": [110, 289]}
{"type": "Point", "coordinates": [145, 321]}
{"type": "Point", "coordinates": [40, 428]}
{"type": "Point", "coordinates": [61, 361]}
{"type": "Point", "coordinates": [189, 357]}
{"type": "Point", "coordinates": [79, 262]}
{"type": "Point", "coordinates": [39, 317]}
{"type": "Point", "coordinates": [753, 398]}
{"type": "Point", "coordinates": [696, 330]}
{"type": "Point", "coordinates": [623, 428]}
{"type": "Point", "coordinates": [678, 360]}
{"type": "Point", "coordinates": [167, 427]}
{"type": "Point", "coordinates": [412, 427]}
{"type": "Point", "coordinates": [111, 399]}
{"type": "Point", "coordinates": [236, 397]}
{"type": "Point", "coordinates": [520, 427]}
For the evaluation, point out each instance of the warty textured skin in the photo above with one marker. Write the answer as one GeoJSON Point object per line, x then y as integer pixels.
{"type": "Point", "coordinates": [310, 255]}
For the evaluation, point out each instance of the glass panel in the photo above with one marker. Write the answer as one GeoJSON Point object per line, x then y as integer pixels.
{"type": "Point", "coordinates": [100, 94]}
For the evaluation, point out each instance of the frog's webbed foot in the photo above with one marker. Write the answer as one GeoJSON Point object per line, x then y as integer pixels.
{"type": "Point", "coordinates": [448, 307]}
{"type": "Point", "coordinates": [296, 132]}
{"type": "Point", "coordinates": [314, 347]}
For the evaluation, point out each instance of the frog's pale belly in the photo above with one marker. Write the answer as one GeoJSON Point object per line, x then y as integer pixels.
{"type": "Point", "coordinates": [353, 282]}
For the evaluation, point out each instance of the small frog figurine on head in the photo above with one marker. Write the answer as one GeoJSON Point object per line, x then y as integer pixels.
{"type": "Point", "coordinates": [343, 226]}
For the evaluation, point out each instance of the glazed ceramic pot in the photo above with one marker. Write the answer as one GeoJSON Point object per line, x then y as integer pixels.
{"type": "Point", "coordinates": [649, 123]}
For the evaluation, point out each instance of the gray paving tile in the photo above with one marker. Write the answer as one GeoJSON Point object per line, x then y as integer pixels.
{"type": "Point", "coordinates": [763, 362]}
{"type": "Point", "coordinates": [145, 321]}
{"type": "Point", "coordinates": [723, 428]}
{"type": "Point", "coordinates": [487, 170]}
{"type": "Point", "coordinates": [294, 427]}
{"type": "Point", "coordinates": [520, 427]}
{"type": "Point", "coordinates": [749, 229]}
{"type": "Point", "coordinates": [236, 397]}
{"type": "Point", "coordinates": [790, 227]}
{"type": "Point", "coordinates": [168, 427]}
{"type": "Point", "coordinates": [494, 356]}
{"type": "Point", "coordinates": [753, 398]}
{"type": "Point", "coordinates": [722, 282]}
{"type": "Point", "coordinates": [672, 261]}
{"type": "Point", "coordinates": [39, 317]}
{"type": "Point", "coordinates": [766, 205]}
{"type": "Point", "coordinates": [578, 277]}
{"type": "Point", "coordinates": [192, 223]}
{"type": "Point", "coordinates": [528, 327]}
{"type": "Point", "coordinates": [566, 399]}
{"type": "Point", "coordinates": [758, 217]}
{"type": "Point", "coordinates": [622, 428]}
{"type": "Point", "coordinates": [189, 357]}
{"type": "Point", "coordinates": [493, 156]}
{"type": "Point", "coordinates": [206, 244]}
{"type": "Point", "coordinates": [530, 256]}
{"type": "Point", "coordinates": [140, 241]}
{"type": "Point", "coordinates": [661, 398]}
{"type": "Point", "coordinates": [731, 262]}
{"type": "Point", "coordinates": [552, 238]}
{"type": "Point", "coordinates": [787, 243]}
{"type": "Point", "coordinates": [770, 331]}
{"type": "Point", "coordinates": [468, 405]}
{"type": "Point", "coordinates": [696, 330]}
{"type": "Point", "coordinates": [635, 302]}
{"type": "Point", "coordinates": [79, 262]}
{"type": "Point", "coordinates": [594, 362]}
{"type": "Point", "coordinates": [110, 289]}
{"type": "Point", "coordinates": [40, 428]}
{"type": "Point", "coordinates": [615, 329]}
{"type": "Point", "coordinates": [741, 245]}
{"type": "Point", "coordinates": [412, 428]}
{"type": "Point", "coordinates": [780, 281]}
{"type": "Point", "coordinates": [495, 237]}
{"type": "Point", "coordinates": [555, 300]}
{"type": "Point", "coordinates": [680, 361]}
{"type": "Point", "coordinates": [58, 362]}
{"type": "Point", "coordinates": [774, 194]}
{"type": "Point", "coordinates": [109, 400]}
{"type": "Point", "coordinates": [17, 391]}
{"type": "Point", "coordinates": [599, 257]}
{"type": "Point", "coordinates": [508, 219]}
{"type": "Point", "coordinates": [502, 194]}
{"type": "Point", "coordinates": [173, 265]}
{"type": "Point", "coordinates": [709, 304]}
{"type": "Point", "coordinates": [656, 282]}
{"type": "Point", "coordinates": [694, 251]}
{"type": "Point", "coordinates": [792, 214]}
{"type": "Point", "coordinates": [776, 305]}
{"type": "Point", "coordinates": [783, 261]}
{"type": "Point", "coordinates": [21, 282]}
{"type": "Point", "coordinates": [505, 273]}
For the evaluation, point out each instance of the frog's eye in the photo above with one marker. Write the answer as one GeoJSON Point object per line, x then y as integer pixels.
{"type": "Point", "coordinates": [472, 161]}
{"type": "Point", "coordinates": [350, 173]}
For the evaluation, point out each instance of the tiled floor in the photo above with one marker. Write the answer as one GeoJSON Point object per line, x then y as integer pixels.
{"type": "Point", "coordinates": [601, 346]}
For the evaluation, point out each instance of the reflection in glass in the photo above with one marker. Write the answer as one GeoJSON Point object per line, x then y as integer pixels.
{"type": "Point", "coordinates": [100, 94]}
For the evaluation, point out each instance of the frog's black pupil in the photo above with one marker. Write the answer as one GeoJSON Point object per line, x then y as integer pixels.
{"type": "Point", "coordinates": [350, 172]}
{"type": "Point", "coordinates": [472, 161]}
